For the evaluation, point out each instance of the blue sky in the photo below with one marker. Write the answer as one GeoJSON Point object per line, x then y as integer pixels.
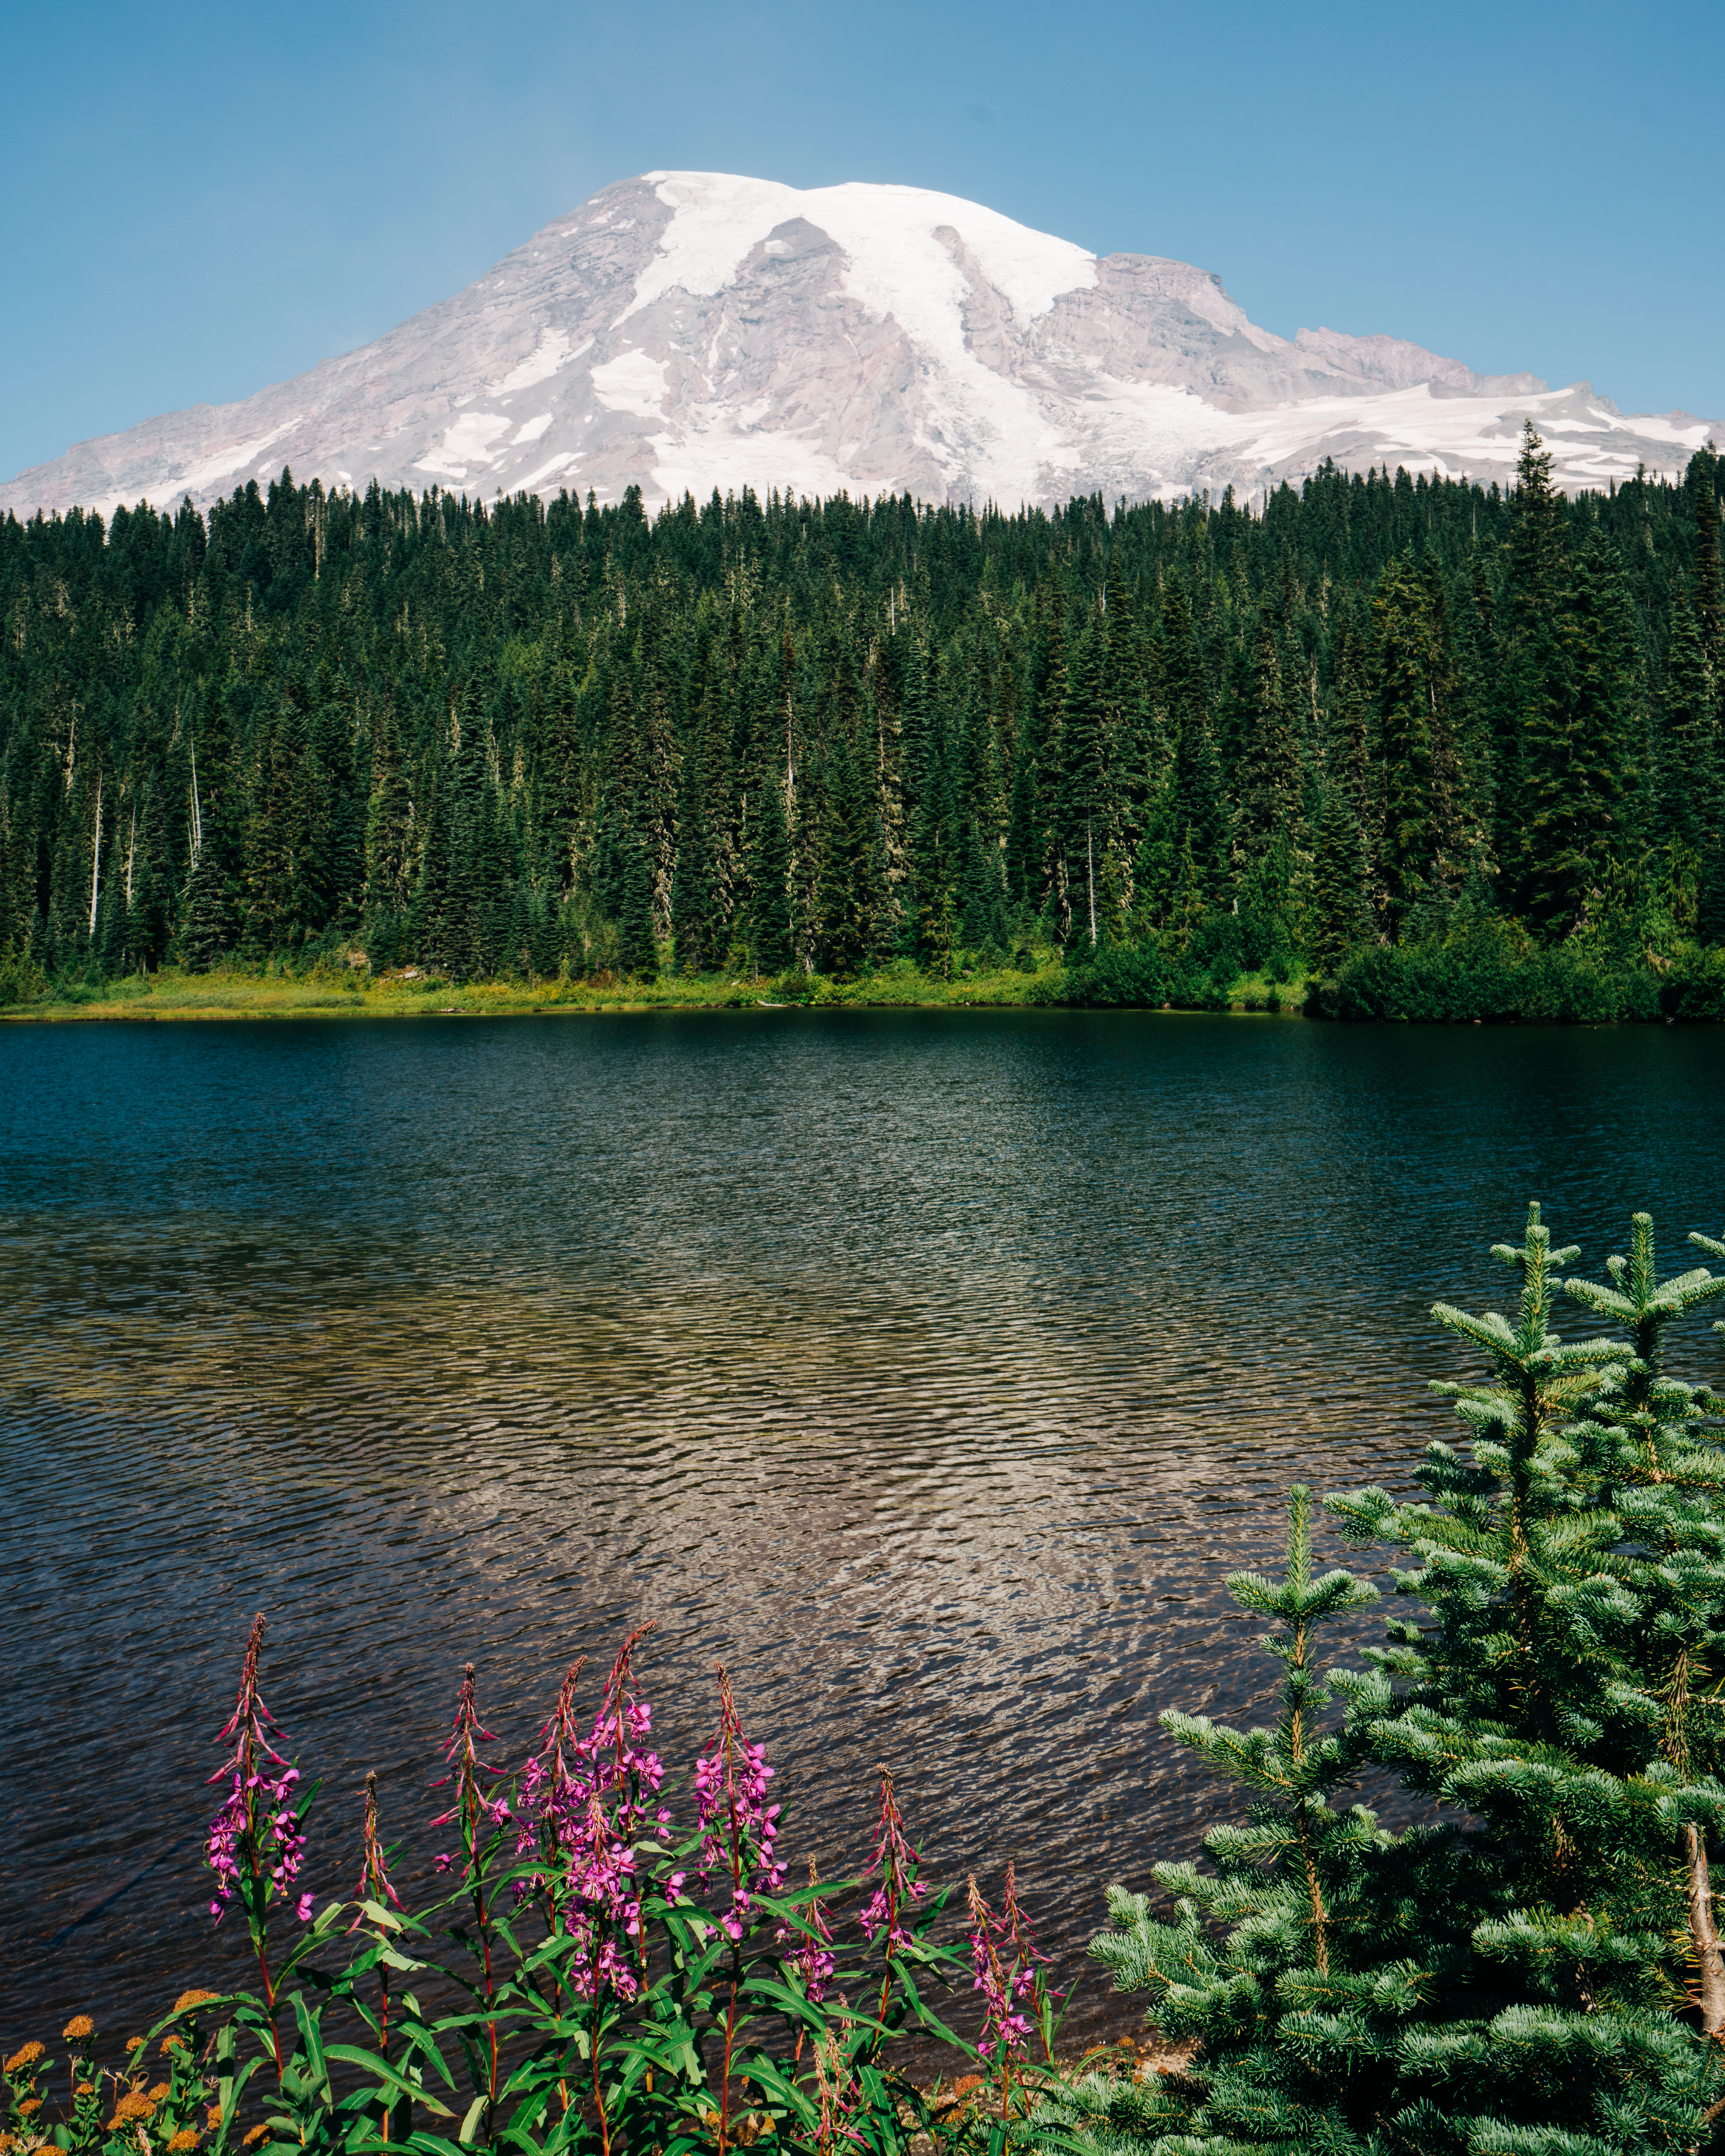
{"type": "Point", "coordinates": [202, 200]}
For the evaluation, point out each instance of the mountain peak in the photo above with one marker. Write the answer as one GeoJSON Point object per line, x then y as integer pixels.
{"type": "Point", "coordinates": [689, 330]}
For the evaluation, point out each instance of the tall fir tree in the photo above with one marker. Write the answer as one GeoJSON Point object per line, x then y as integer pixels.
{"type": "Point", "coordinates": [768, 913]}
{"type": "Point", "coordinates": [1577, 776]}
{"type": "Point", "coordinates": [1401, 660]}
{"type": "Point", "coordinates": [1339, 916]}
{"type": "Point", "coordinates": [1533, 685]}
{"type": "Point", "coordinates": [696, 925]}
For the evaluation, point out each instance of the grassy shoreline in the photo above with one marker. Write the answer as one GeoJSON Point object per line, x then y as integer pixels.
{"type": "Point", "coordinates": [172, 994]}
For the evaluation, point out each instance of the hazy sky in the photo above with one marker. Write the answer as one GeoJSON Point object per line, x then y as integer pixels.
{"type": "Point", "coordinates": [202, 200]}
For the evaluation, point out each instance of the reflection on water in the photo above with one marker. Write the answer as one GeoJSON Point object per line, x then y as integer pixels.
{"type": "Point", "coordinates": [930, 1368]}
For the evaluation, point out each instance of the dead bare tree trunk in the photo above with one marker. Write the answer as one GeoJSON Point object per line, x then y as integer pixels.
{"type": "Point", "coordinates": [96, 858]}
{"type": "Point", "coordinates": [1709, 1958]}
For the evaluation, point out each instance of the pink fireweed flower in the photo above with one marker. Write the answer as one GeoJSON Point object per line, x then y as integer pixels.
{"type": "Point", "coordinates": [1006, 1965]}
{"type": "Point", "coordinates": [258, 1832]}
{"type": "Point", "coordinates": [545, 1787]}
{"type": "Point", "coordinates": [741, 1826]}
{"type": "Point", "coordinates": [811, 1956]}
{"type": "Point", "coordinates": [474, 1809]}
{"type": "Point", "coordinates": [587, 1802]}
{"type": "Point", "coordinates": [897, 1862]}
{"type": "Point", "coordinates": [373, 1884]}
{"type": "Point", "coordinates": [251, 1722]}
{"type": "Point", "coordinates": [259, 1827]}
{"type": "Point", "coordinates": [1004, 2028]}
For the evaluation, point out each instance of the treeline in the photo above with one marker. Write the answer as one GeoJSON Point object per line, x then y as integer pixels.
{"type": "Point", "coordinates": [529, 738]}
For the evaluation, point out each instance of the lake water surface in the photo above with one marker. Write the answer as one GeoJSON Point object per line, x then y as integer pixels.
{"type": "Point", "coordinates": [930, 1368]}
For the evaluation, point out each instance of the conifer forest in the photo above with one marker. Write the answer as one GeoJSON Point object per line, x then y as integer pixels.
{"type": "Point", "coordinates": [1377, 714]}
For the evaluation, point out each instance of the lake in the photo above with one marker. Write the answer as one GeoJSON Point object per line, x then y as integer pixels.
{"type": "Point", "coordinates": [930, 1368]}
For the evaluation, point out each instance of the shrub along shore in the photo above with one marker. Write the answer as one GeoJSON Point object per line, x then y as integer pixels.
{"type": "Point", "coordinates": [1482, 975]}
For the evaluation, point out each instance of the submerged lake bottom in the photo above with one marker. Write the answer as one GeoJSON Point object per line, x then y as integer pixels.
{"type": "Point", "coordinates": [931, 1369]}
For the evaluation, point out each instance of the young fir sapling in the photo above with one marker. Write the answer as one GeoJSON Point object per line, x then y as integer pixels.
{"type": "Point", "coordinates": [1498, 1707]}
{"type": "Point", "coordinates": [1286, 1967]}
{"type": "Point", "coordinates": [1539, 1973]}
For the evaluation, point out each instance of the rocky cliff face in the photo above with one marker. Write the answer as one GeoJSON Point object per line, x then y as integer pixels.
{"type": "Point", "coordinates": [694, 331]}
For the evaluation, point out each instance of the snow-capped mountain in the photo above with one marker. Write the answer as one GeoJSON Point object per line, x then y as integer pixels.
{"type": "Point", "coordinates": [694, 331]}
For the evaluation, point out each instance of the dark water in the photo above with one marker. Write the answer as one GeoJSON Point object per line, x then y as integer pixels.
{"type": "Point", "coordinates": [930, 1368]}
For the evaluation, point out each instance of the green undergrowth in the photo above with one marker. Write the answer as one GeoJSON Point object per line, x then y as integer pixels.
{"type": "Point", "coordinates": [348, 991]}
{"type": "Point", "coordinates": [1482, 980]}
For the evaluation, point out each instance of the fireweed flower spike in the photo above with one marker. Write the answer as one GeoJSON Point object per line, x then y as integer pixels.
{"type": "Point", "coordinates": [373, 1884]}
{"type": "Point", "coordinates": [543, 1816]}
{"type": "Point", "coordinates": [1028, 1961]}
{"type": "Point", "coordinates": [255, 1845]}
{"type": "Point", "coordinates": [260, 1821]}
{"type": "Point", "coordinates": [899, 1889]}
{"type": "Point", "coordinates": [473, 1811]}
{"type": "Point", "coordinates": [374, 1888]}
{"type": "Point", "coordinates": [811, 1957]}
{"type": "Point", "coordinates": [739, 1829]}
{"type": "Point", "coordinates": [897, 1861]}
{"type": "Point", "coordinates": [741, 1826]}
{"type": "Point", "coordinates": [1004, 2029]}
{"type": "Point", "coordinates": [590, 1813]}
{"type": "Point", "coordinates": [479, 1816]}
{"type": "Point", "coordinates": [250, 1722]}
{"type": "Point", "coordinates": [603, 1806]}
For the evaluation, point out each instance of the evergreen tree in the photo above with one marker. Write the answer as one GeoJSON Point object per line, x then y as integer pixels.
{"type": "Point", "coordinates": [769, 907]}
{"type": "Point", "coordinates": [1647, 1443]}
{"type": "Point", "coordinates": [1532, 671]}
{"type": "Point", "coordinates": [206, 914]}
{"type": "Point", "coordinates": [1702, 479]}
{"type": "Point", "coordinates": [637, 947]}
{"type": "Point", "coordinates": [1528, 1974]}
{"type": "Point", "coordinates": [1082, 822]}
{"type": "Point", "coordinates": [1339, 915]}
{"type": "Point", "coordinates": [1502, 1709]}
{"type": "Point", "coordinates": [696, 925]}
{"type": "Point", "coordinates": [1685, 734]}
{"type": "Point", "coordinates": [932, 884]}
{"type": "Point", "coordinates": [1298, 1962]}
{"type": "Point", "coordinates": [1200, 817]}
{"type": "Point", "coordinates": [1575, 782]}
{"type": "Point", "coordinates": [211, 901]}
{"type": "Point", "coordinates": [1268, 784]}
{"type": "Point", "coordinates": [1402, 694]}
{"type": "Point", "coordinates": [150, 898]}
{"type": "Point", "coordinates": [847, 903]}
{"type": "Point", "coordinates": [389, 821]}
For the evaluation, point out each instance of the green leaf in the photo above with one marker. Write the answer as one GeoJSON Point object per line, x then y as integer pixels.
{"type": "Point", "coordinates": [380, 2070]}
